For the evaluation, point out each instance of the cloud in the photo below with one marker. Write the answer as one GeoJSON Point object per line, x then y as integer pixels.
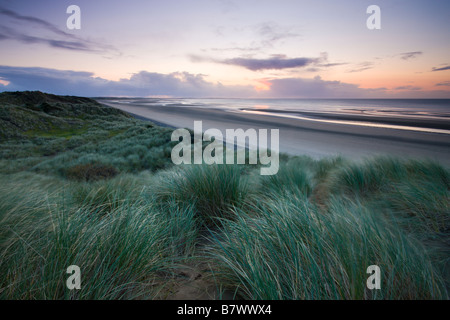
{"type": "Point", "coordinates": [141, 84]}
{"type": "Point", "coordinates": [271, 32]}
{"type": "Point", "coordinates": [443, 84]}
{"type": "Point", "coordinates": [49, 34]}
{"type": "Point", "coordinates": [32, 20]}
{"type": "Point", "coordinates": [409, 87]}
{"type": "Point", "coordinates": [328, 65]}
{"type": "Point", "coordinates": [361, 67]}
{"type": "Point", "coordinates": [242, 49]}
{"type": "Point", "coordinates": [274, 62]}
{"type": "Point", "coordinates": [266, 35]}
{"type": "Point", "coordinates": [185, 84]}
{"type": "Point", "coordinates": [318, 88]}
{"type": "Point", "coordinates": [7, 33]}
{"type": "Point", "coordinates": [325, 89]}
{"type": "Point", "coordinates": [410, 55]}
{"type": "Point", "coordinates": [366, 65]}
{"type": "Point", "coordinates": [441, 68]}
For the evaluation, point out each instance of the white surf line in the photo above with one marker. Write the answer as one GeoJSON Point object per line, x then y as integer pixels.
{"type": "Point", "coordinates": [353, 123]}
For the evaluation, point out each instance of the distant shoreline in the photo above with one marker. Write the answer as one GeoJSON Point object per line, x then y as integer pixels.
{"type": "Point", "coordinates": [434, 123]}
{"type": "Point", "coordinates": [298, 136]}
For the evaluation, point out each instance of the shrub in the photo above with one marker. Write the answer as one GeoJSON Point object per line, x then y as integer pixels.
{"type": "Point", "coordinates": [324, 166]}
{"type": "Point", "coordinates": [293, 176]}
{"type": "Point", "coordinates": [367, 178]}
{"type": "Point", "coordinates": [213, 189]}
{"type": "Point", "coordinates": [91, 172]}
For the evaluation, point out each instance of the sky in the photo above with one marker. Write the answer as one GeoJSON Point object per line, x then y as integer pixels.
{"type": "Point", "coordinates": [227, 49]}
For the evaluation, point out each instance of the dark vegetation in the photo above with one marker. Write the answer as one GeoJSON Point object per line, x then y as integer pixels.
{"type": "Point", "coordinates": [76, 137]}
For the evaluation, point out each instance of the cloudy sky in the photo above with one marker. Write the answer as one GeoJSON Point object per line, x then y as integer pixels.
{"type": "Point", "coordinates": [226, 48]}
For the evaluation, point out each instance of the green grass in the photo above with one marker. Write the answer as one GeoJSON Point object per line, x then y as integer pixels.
{"type": "Point", "coordinates": [57, 132]}
{"type": "Point", "coordinates": [294, 175]}
{"type": "Point", "coordinates": [213, 190]}
{"type": "Point", "coordinates": [127, 248]}
{"type": "Point", "coordinates": [291, 250]}
{"type": "Point", "coordinates": [82, 184]}
{"type": "Point", "coordinates": [66, 131]}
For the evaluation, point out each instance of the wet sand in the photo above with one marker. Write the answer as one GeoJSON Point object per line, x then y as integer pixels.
{"type": "Point", "coordinates": [313, 138]}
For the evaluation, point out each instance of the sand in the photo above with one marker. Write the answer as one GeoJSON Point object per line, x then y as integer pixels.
{"type": "Point", "coordinates": [305, 137]}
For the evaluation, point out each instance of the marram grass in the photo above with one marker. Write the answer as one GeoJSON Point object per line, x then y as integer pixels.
{"type": "Point", "coordinates": [291, 250]}
{"type": "Point", "coordinates": [267, 238]}
{"type": "Point", "coordinates": [84, 184]}
{"type": "Point", "coordinates": [125, 254]}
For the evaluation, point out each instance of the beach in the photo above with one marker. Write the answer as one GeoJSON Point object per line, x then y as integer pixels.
{"type": "Point", "coordinates": [321, 135]}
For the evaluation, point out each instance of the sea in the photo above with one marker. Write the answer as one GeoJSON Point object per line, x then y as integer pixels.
{"type": "Point", "coordinates": [419, 112]}
{"type": "Point", "coordinates": [418, 107]}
